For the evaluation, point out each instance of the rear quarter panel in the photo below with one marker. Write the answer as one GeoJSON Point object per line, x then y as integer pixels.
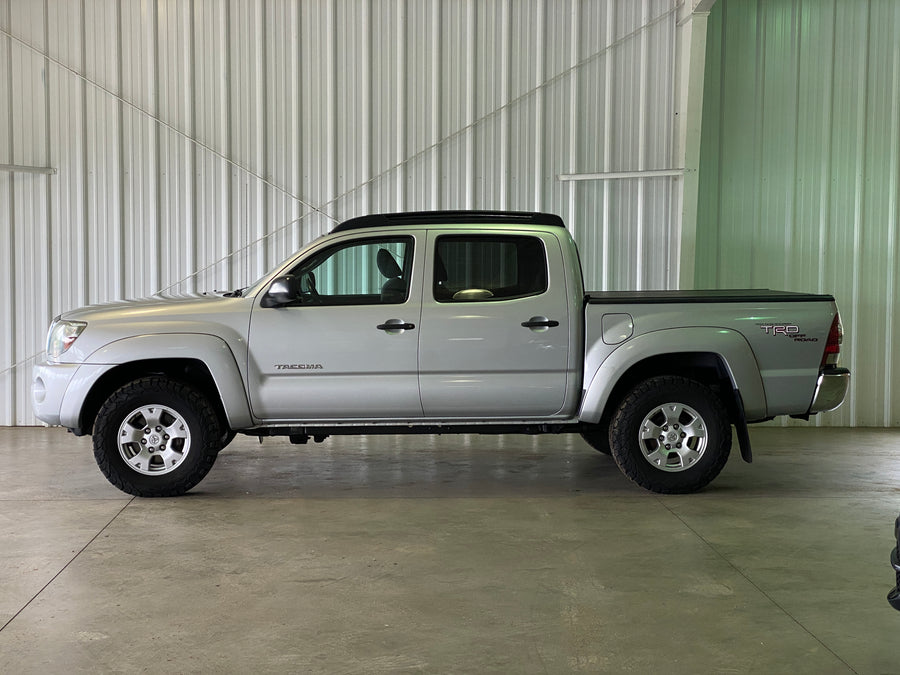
{"type": "Point", "coordinates": [784, 339]}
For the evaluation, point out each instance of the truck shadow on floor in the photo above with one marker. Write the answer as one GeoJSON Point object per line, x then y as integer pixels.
{"type": "Point", "coordinates": [467, 466]}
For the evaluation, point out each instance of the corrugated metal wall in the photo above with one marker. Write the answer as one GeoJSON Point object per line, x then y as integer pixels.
{"type": "Point", "coordinates": [196, 143]}
{"type": "Point", "coordinates": [799, 180]}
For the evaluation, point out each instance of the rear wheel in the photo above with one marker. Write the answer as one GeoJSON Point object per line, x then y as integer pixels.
{"type": "Point", "coordinates": [155, 437]}
{"type": "Point", "coordinates": [671, 434]}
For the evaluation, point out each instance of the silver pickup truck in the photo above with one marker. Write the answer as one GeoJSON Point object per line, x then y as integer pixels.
{"type": "Point", "coordinates": [438, 322]}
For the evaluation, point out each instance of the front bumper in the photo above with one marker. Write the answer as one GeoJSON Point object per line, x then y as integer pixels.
{"type": "Point", "coordinates": [58, 390]}
{"type": "Point", "coordinates": [48, 387]}
{"type": "Point", "coordinates": [831, 388]}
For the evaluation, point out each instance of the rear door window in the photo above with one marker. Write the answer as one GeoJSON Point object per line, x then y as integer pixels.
{"type": "Point", "coordinates": [473, 268]}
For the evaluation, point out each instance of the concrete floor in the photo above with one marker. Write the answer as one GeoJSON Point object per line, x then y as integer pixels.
{"type": "Point", "coordinates": [453, 554]}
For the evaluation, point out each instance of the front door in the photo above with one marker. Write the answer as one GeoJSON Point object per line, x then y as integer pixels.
{"type": "Point", "coordinates": [348, 348]}
{"type": "Point", "coordinates": [495, 327]}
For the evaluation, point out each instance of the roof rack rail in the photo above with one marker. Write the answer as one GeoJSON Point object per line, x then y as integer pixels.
{"type": "Point", "coordinates": [450, 217]}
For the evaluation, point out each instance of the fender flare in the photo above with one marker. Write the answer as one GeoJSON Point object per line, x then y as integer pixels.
{"type": "Point", "coordinates": [730, 346]}
{"type": "Point", "coordinates": [211, 350]}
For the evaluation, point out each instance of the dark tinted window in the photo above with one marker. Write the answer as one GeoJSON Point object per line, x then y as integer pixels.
{"type": "Point", "coordinates": [491, 267]}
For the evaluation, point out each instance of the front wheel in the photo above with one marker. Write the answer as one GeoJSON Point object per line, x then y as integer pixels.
{"type": "Point", "coordinates": [155, 437]}
{"type": "Point", "coordinates": [671, 435]}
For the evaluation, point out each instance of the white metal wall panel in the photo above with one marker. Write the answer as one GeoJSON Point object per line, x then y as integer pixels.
{"type": "Point", "coordinates": [9, 371]}
{"type": "Point", "coordinates": [27, 222]}
{"type": "Point", "coordinates": [197, 143]}
{"type": "Point", "coordinates": [799, 172]}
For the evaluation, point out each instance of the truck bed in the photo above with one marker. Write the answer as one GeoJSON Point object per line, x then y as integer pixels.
{"type": "Point", "coordinates": [755, 295]}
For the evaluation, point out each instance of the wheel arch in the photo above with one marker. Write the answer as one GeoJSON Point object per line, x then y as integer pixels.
{"type": "Point", "coordinates": [727, 365]}
{"type": "Point", "coordinates": [216, 375]}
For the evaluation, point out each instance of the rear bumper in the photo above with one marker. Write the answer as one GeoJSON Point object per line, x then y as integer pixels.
{"type": "Point", "coordinates": [831, 388]}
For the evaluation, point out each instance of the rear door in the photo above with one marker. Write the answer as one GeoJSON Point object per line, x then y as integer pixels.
{"type": "Point", "coordinates": [495, 328]}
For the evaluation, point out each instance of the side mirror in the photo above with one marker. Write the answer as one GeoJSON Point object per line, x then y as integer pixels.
{"type": "Point", "coordinates": [283, 291]}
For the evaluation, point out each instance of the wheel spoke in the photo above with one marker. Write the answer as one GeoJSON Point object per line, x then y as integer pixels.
{"type": "Point", "coordinates": [151, 415]}
{"type": "Point", "coordinates": [130, 434]}
{"type": "Point", "coordinates": [170, 458]}
{"type": "Point", "coordinates": [140, 461]}
{"type": "Point", "coordinates": [178, 429]}
{"type": "Point", "coordinates": [649, 431]}
{"type": "Point", "coordinates": [673, 412]}
{"type": "Point", "coordinates": [658, 457]}
{"type": "Point", "coordinates": [688, 456]}
{"type": "Point", "coordinates": [695, 429]}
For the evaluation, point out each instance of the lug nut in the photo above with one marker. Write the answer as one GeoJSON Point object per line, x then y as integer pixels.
{"type": "Point", "coordinates": [159, 428]}
{"type": "Point", "coordinates": [678, 445]}
{"type": "Point", "coordinates": [668, 447]}
{"type": "Point", "coordinates": [665, 427]}
{"type": "Point", "coordinates": [166, 436]}
{"type": "Point", "coordinates": [683, 434]}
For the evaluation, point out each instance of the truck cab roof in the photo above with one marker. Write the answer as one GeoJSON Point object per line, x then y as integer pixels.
{"type": "Point", "coordinates": [450, 218]}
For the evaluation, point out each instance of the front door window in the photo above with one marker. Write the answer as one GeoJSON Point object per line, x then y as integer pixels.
{"type": "Point", "coordinates": [368, 272]}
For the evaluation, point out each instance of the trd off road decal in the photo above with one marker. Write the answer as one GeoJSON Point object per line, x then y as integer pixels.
{"type": "Point", "coordinates": [298, 366]}
{"type": "Point", "coordinates": [787, 330]}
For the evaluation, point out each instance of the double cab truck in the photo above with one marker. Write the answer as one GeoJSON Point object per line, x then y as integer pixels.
{"type": "Point", "coordinates": [436, 323]}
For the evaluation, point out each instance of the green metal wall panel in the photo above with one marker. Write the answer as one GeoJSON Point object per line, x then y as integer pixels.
{"type": "Point", "coordinates": [799, 171]}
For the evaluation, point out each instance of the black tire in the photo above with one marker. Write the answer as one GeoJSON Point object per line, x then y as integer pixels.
{"type": "Point", "coordinates": [677, 412]}
{"type": "Point", "coordinates": [156, 437]}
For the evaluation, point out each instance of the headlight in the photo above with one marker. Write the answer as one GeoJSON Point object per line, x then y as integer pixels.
{"type": "Point", "coordinates": [61, 336]}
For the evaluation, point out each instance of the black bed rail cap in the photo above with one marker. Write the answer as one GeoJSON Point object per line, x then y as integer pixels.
{"type": "Point", "coordinates": [450, 217]}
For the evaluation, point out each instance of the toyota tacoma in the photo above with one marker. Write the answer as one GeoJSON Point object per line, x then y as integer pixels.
{"type": "Point", "coordinates": [436, 323]}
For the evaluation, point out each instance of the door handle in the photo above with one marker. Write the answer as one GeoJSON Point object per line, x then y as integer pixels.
{"type": "Point", "coordinates": [395, 324]}
{"type": "Point", "coordinates": [540, 322]}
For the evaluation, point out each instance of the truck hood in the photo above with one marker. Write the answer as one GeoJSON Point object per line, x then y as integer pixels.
{"type": "Point", "coordinates": [196, 314]}
{"type": "Point", "coordinates": [161, 306]}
